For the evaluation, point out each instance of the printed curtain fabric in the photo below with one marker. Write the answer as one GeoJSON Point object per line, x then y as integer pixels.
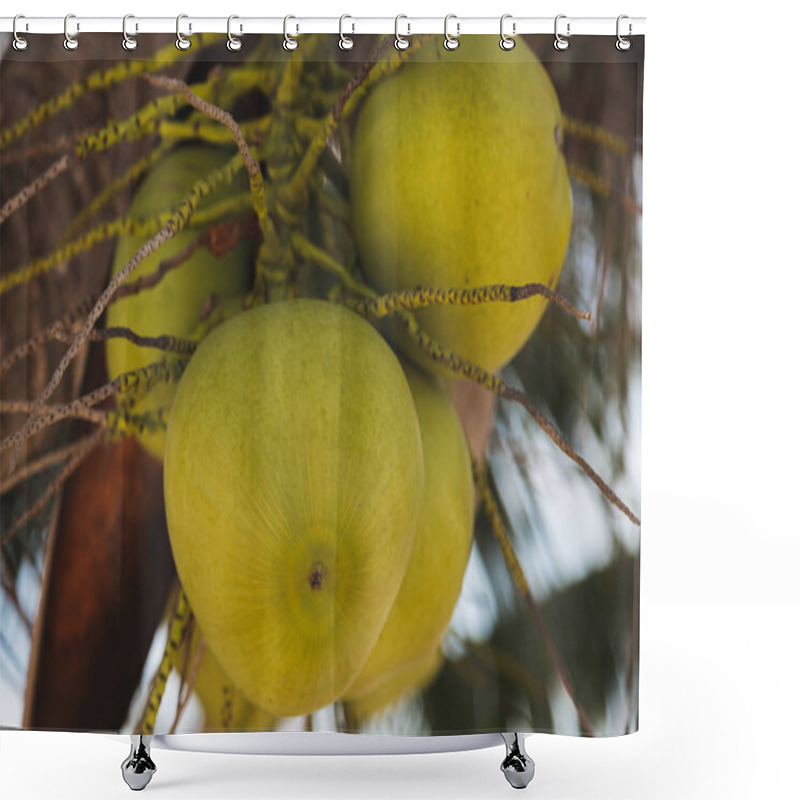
{"type": "Point", "coordinates": [320, 385]}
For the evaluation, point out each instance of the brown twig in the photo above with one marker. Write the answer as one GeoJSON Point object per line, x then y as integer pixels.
{"type": "Point", "coordinates": [46, 148]}
{"type": "Point", "coordinates": [378, 52]}
{"type": "Point", "coordinates": [170, 344]}
{"type": "Point", "coordinates": [218, 239]}
{"type": "Point", "coordinates": [519, 397]}
{"type": "Point", "coordinates": [40, 464]}
{"type": "Point", "coordinates": [77, 411]}
{"type": "Point", "coordinates": [319, 143]}
{"type": "Point", "coordinates": [70, 467]}
{"type": "Point", "coordinates": [133, 380]}
{"type": "Point", "coordinates": [35, 186]}
{"type": "Point", "coordinates": [45, 335]}
{"type": "Point", "coordinates": [224, 118]}
{"type": "Point", "coordinates": [166, 233]}
{"type": "Point", "coordinates": [460, 366]}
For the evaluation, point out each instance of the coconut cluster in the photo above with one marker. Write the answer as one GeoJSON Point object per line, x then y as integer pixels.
{"type": "Point", "coordinates": [317, 478]}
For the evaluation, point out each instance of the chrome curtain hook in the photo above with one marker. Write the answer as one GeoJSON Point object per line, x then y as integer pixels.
{"type": "Point", "coordinates": [234, 43]}
{"type": "Point", "coordinates": [345, 42]}
{"type": "Point", "coordinates": [70, 41]}
{"type": "Point", "coordinates": [181, 42]}
{"type": "Point", "coordinates": [506, 42]}
{"type": "Point", "coordinates": [289, 42]}
{"type": "Point", "coordinates": [623, 43]}
{"type": "Point", "coordinates": [400, 42]}
{"type": "Point", "coordinates": [20, 43]}
{"type": "Point", "coordinates": [129, 42]}
{"type": "Point", "coordinates": [561, 42]}
{"type": "Point", "coordinates": [451, 42]}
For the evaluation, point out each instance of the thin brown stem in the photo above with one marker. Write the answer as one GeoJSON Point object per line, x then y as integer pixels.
{"type": "Point", "coordinates": [166, 233]}
{"type": "Point", "coordinates": [170, 344]}
{"type": "Point", "coordinates": [517, 396]}
{"type": "Point", "coordinates": [35, 186]}
{"type": "Point", "coordinates": [32, 468]}
{"type": "Point", "coordinates": [45, 335]}
{"type": "Point", "coordinates": [351, 91]}
{"type": "Point", "coordinates": [135, 380]}
{"type": "Point", "coordinates": [21, 155]}
{"type": "Point", "coordinates": [76, 411]}
{"type": "Point", "coordinates": [41, 503]}
{"type": "Point", "coordinates": [466, 369]}
{"type": "Point", "coordinates": [218, 239]}
{"type": "Point", "coordinates": [177, 222]}
{"type": "Point", "coordinates": [224, 118]}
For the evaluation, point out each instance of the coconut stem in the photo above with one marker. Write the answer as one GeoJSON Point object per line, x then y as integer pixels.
{"type": "Point", "coordinates": [97, 81]}
{"type": "Point", "coordinates": [126, 225]}
{"type": "Point", "coordinates": [177, 628]}
{"type": "Point", "coordinates": [515, 568]}
{"type": "Point", "coordinates": [466, 369]}
{"type": "Point", "coordinates": [413, 299]}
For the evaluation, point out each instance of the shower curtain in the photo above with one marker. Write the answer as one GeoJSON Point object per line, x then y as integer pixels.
{"type": "Point", "coordinates": [320, 385]}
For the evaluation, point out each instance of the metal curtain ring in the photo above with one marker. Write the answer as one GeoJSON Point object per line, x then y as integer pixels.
{"type": "Point", "coordinates": [234, 43]}
{"type": "Point", "coordinates": [345, 42]}
{"type": "Point", "coordinates": [70, 41]}
{"type": "Point", "coordinates": [181, 42]}
{"type": "Point", "coordinates": [400, 42]}
{"type": "Point", "coordinates": [506, 42]}
{"type": "Point", "coordinates": [561, 42]}
{"type": "Point", "coordinates": [129, 42]}
{"type": "Point", "coordinates": [20, 43]}
{"type": "Point", "coordinates": [289, 42]}
{"type": "Point", "coordinates": [451, 42]}
{"type": "Point", "coordinates": [623, 43]}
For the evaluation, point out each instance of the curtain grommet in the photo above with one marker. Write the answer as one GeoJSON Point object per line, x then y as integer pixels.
{"type": "Point", "coordinates": [234, 43]}
{"type": "Point", "coordinates": [70, 41]}
{"type": "Point", "coordinates": [129, 42]}
{"type": "Point", "coordinates": [561, 42]}
{"type": "Point", "coordinates": [507, 42]}
{"type": "Point", "coordinates": [623, 43]}
{"type": "Point", "coordinates": [451, 42]}
{"type": "Point", "coordinates": [345, 42]}
{"type": "Point", "coordinates": [19, 43]}
{"type": "Point", "coordinates": [182, 42]}
{"type": "Point", "coordinates": [290, 44]}
{"type": "Point", "coordinates": [401, 42]}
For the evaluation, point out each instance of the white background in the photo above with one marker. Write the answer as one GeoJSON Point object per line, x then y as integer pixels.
{"type": "Point", "coordinates": [720, 700]}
